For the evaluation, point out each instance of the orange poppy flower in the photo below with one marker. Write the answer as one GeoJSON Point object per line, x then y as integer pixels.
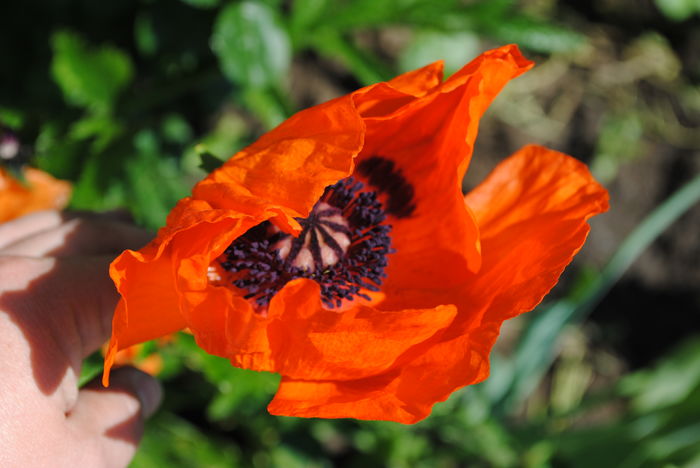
{"type": "Point", "coordinates": [339, 252]}
{"type": "Point", "coordinates": [41, 192]}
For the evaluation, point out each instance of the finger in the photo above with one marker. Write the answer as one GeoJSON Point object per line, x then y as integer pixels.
{"type": "Point", "coordinates": [61, 310]}
{"type": "Point", "coordinates": [19, 228]}
{"type": "Point", "coordinates": [82, 294]}
{"type": "Point", "coordinates": [115, 415]}
{"type": "Point", "coordinates": [79, 236]}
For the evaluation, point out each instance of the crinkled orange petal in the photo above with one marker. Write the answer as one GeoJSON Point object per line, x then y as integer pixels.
{"type": "Point", "coordinates": [162, 282]}
{"type": "Point", "coordinates": [430, 141]}
{"type": "Point", "coordinates": [404, 394]}
{"type": "Point", "coordinates": [538, 200]}
{"type": "Point", "coordinates": [152, 306]}
{"type": "Point", "coordinates": [532, 213]}
{"type": "Point", "coordinates": [310, 342]}
{"type": "Point", "coordinates": [419, 82]}
{"type": "Point", "coordinates": [373, 398]}
{"type": "Point", "coordinates": [165, 286]}
{"type": "Point", "coordinates": [41, 192]}
{"type": "Point", "coordinates": [290, 166]}
{"type": "Point", "coordinates": [385, 98]}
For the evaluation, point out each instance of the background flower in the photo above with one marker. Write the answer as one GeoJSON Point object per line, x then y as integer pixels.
{"type": "Point", "coordinates": [38, 191]}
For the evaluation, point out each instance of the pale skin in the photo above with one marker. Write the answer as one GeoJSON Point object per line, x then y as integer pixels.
{"type": "Point", "coordinates": [56, 304]}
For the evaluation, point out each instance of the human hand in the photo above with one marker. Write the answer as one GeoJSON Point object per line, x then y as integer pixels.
{"type": "Point", "coordinates": [56, 304]}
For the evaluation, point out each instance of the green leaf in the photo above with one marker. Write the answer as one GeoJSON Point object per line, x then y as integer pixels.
{"type": "Point", "coordinates": [267, 105]}
{"type": "Point", "coordinates": [290, 458]}
{"type": "Point", "coordinates": [229, 135]}
{"type": "Point", "coordinates": [151, 202]}
{"type": "Point", "coordinates": [358, 14]}
{"type": "Point", "coordinates": [534, 35]}
{"type": "Point", "coordinates": [367, 68]}
{"type": "Point", "coordinates": [306, 14]}
{"type": "Point", "coordinates": [174, 442]}
{"type": "Point", "coordinates": [240, 391]}
{"type": "Point", "coordinates": [201, 3]}
{"type": "Point", "coordinates": [175, 129]}
{"type": "Point", "coordinates": [208, 161]}
{"type": "Point", "coordinates": [103, 129]}
{"type": "Point", "coordinates": [678, 10]}
{"type": "Point", "coordinates": [89, 77]}
{"type": "Point", "coordinates": [650, 389]}
{"type": "Point", "coordinates": [253, 49]}
{"type": "Point", "coordinates": [364, 13]}
{"type": "Point", "coordinates": [145, 35]}
{"type": "Point", "coordinates": [427, 46]}
{"type": "Point", "coordinates": [619, 140]}
{"type": "Point", "coordinates": [91, 368]}
{"type": "Point", "coordinates": [12, 118]}
{"type": "Point", "coordinates": [97, 188]}
{"type": "Point", "coordinates": [660, 427]}
{"type": "Point", "coordinates": [536, 350]}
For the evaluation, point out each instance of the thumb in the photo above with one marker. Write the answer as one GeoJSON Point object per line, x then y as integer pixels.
{"type": "Point", "coordinates": [113, 417]}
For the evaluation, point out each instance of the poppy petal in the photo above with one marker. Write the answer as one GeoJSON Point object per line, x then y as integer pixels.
{"type": "Point", "coordinates": [383, 99]}
{"type": "Point", "coordinates": [372, 398]}
{"type": "Point", "coordinates": [148, 281]}
{"type": "Point", "coordinates": [311, 342]}
{"type": "Point", "coordinates": [419, 82]}
{"type": "Point", "coordinates": [318, 145]}
{"type": "Point", "coordinates": [429, 144]}
{"type": "Point", "coordinates": [406, 394]}
{"type": "Point", "coordinates": [532, 213]}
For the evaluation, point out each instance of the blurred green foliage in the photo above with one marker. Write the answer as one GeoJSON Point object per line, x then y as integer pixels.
{"type": "Point", "coordinates": [679, 10]}
{"type": "Point", "coordinates": [89, 78]}
{"type": "Point", "coordinates": [136, 100]}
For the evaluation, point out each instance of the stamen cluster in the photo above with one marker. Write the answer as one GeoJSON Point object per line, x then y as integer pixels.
{"type": "Point", "coordinates": [342, 246]}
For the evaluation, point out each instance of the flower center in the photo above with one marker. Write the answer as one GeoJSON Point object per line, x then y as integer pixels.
{"type": "Point", "coordinates": [324, 240]}
{"type": "Point", "coordinates": [342, 246]}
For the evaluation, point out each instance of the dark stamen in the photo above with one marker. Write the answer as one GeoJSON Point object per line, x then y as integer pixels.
{"type": "Point", "coordinates": [382, 174]}
{"type": "Point", "coordinates": [342, 246]}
